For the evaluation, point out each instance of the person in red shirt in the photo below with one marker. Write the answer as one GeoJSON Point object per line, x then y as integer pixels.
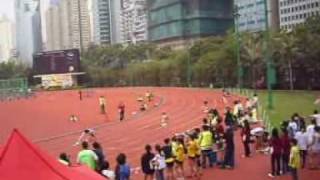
{"type": "Point", "coordinates": [276, 150]}
{"type": "Point", "coordinates": [245, 135]}
{"type": "Point", "coordinates": [121, 109]}
{"type": "Point", "coordinates": [285, 150]}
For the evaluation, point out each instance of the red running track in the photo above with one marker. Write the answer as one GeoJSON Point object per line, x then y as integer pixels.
{"type": "Point", "coordinates": [44, 119]}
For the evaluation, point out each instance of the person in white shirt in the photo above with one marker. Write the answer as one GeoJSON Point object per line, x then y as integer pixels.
{"type": "Point", "coordinates": [105, 171]}
{"type": "Point", "coordinates": [159, 163]}
{"type": "Point", "coordinates": [310, 130]}
{"type": "Point", "coordinates": [314, 160]}
{"type": "Point", "coordinates": [302, 138]}
{"type": "Point", "coordinates": [292, 128]}
{"type": "Point", "coordinates": [316, 116]}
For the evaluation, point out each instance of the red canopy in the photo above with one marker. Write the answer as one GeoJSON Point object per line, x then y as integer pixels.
{"type": "Point", "coordinates": [21, 160]}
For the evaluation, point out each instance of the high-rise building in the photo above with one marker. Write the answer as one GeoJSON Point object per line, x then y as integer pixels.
{"type": "Point", "coordinates": [251, 15]}
{"type": "Point", "coordinates": [28, 29]}
{"type": "Point", "coordinates": [101, 12]}
{"type": "Point", "coordinates": [133, 21]}
{"type": "Point", "coordinates": [177, 23]}
{"type": "Point", "coordinates": [68, 25]}
{"type": "Point", "coordinates": [115, 21]}
{"type": "Point", "coordinates": [295, 12]}
{"type": "Point", "coordinates": [6, 39]}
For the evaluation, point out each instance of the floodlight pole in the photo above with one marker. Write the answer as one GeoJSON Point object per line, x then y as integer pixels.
{"type": "Point", "coordinates": [236, 25]}
{"type": "Point", "coordinates": [268, 57]}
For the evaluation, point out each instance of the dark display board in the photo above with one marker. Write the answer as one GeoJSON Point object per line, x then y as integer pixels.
{"type": "Point", "coordinates": [57, 62]}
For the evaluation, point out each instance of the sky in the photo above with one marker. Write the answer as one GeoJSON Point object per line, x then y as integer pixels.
{"type": "Point", "coordinates": [6, 7]}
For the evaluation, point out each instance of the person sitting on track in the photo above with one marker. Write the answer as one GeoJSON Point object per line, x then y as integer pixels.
{"type": "Point", "coordinates": [88, 135]}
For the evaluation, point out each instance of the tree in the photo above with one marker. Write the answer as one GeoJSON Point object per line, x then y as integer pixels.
{"type": "Point", "coordinates": [288, 50]}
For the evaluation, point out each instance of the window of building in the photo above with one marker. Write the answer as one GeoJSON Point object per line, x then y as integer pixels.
{"type": "Point", "coordinates": [26, 7]}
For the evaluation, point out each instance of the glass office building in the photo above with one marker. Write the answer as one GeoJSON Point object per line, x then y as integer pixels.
{"type": "Point", "coordinates": [174, 20]}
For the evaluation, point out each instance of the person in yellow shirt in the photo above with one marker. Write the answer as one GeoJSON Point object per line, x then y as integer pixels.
{"type": "Point", "coordinates": [180, 156]}
{"type": "Point", "coordinates": [192, 151]}
{"type": "Point", "coordinates": [294, 161]}
{"type": "Point", "coordinates": [197, 132]}
{"type": "Point", "coordinates": [206, 144]}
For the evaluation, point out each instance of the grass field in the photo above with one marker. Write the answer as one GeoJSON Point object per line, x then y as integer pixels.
{"type": "Point", "coordinates": [288, 102]}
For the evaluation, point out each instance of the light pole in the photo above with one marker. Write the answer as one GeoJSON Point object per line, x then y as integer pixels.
{"type": "Point", "coordinates": [236, 25]}
{"type": "Point", "coordinates": [189, 67]}
{"type": "Point", "coordinates": [270, 70]}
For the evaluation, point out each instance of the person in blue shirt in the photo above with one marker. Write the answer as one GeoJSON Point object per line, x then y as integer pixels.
{"type": "Point", "coordinates": [122, 169]}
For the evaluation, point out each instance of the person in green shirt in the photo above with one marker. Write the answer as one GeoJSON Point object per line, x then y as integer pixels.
{"type": "Point", "coordinates": [294, 161]}
{"type": "Point", "coordinates": [87, 157]}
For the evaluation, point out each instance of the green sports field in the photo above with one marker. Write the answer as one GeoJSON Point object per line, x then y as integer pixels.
{"type": "Point", "coordinates": [288, 102]}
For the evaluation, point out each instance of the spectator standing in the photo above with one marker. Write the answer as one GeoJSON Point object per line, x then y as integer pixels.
{"type": "Point", "coordinates": [294, 161]}
{"type": "Point", "coordinates": [230, 147]}
{"type": "Point", "coordinates": [87, 157]}
{"type": "Point", "coordinates": [314, 159]}
{"type": "Point", "coordinates": [229, 118]}
{"type": "Point", "coordinates": [276, 149]}
{"type": "Point", "coordinates": [292, 127]}
{"type": "Point", "coordinates": [146, 165]}
{"type": "Point", "coordinates": [302, 138]}
{"type": "Point", "coordinates": [169, 159]}
{"type": "Point", "coordinates": [192, 149]}
{"type": "Point", "coordinates": [180, 157]}
{"type": "Point", "coordinates": [246, 138]}
{"type": "Point", "coordinates": [285, 140]}
{"type": "Point", "coordinates": [122, 171]}
{"type": "Point", "coordinates": [206, 143]}
{"type": "Point", "coordinates": [159, 163]}
{"type": "Point", "coordinates": [105, 171]}
{"type": "Point", "coordinates": [97, 149]}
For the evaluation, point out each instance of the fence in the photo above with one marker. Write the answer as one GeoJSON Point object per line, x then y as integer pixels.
{"type": "Point", "coordinates": [13, 89]}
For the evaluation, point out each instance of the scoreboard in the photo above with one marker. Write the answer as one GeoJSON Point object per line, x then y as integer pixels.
{"type": "Point", "coordinates": [56, 62]}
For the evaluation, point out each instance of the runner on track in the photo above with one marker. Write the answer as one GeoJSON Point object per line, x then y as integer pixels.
{"type": "Point", "coordinates": [121, 109]}
{"type": "Point", "coordinates": [164, 119]}
{"type": "Point", "coordinates": [102, 103]}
